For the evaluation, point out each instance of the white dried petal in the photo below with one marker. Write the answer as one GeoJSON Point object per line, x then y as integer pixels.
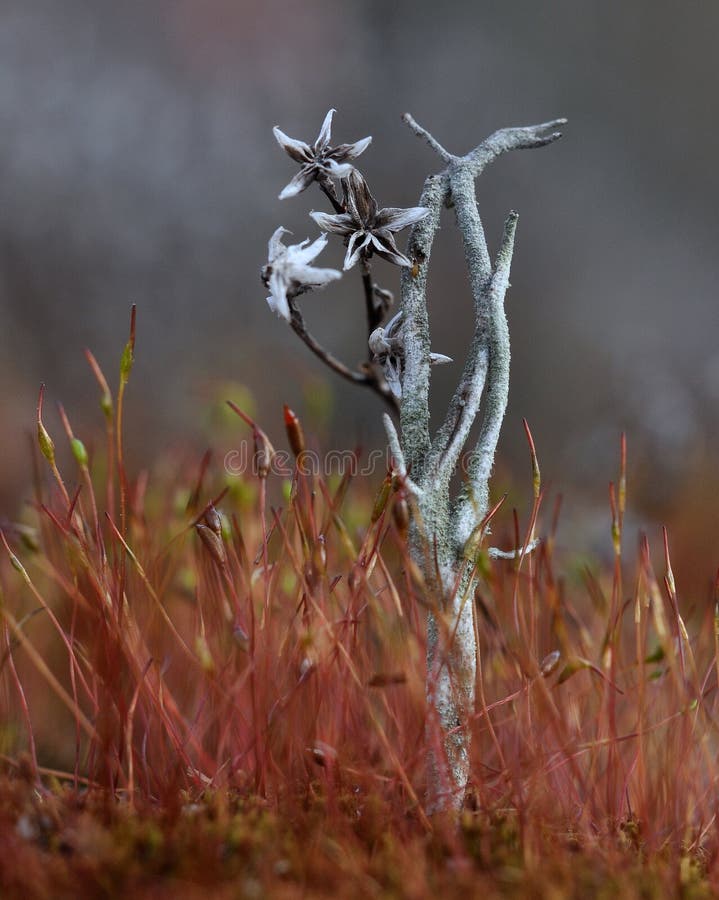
{"type": "Point", "coordinates": [393, 324]}
{"type": "Point", "coordinates": [338, 170]}
{"type": "Point", "coordinates": [392, 371]}
{"type": "Point", "coordinates": [352, 151]}
{"type": "Point", "coordinates": [323, 138]}
{"type": "Point", "coordinates": [391, 254]}
{"type": "Point", "coordinates": [312, 277]}
{"type": "Point", "coordinates": [353, 255]}
{"type": "Point", "coordinates": [302, 253]}
{"type": "Point", "coordinates": [299, 182]}
{"type": "Point", "coordinates": [277, 300]}
{"type": "Point", "coordinates": [275, 245]}
{"type": "Point", "coordinates": [289, 270]}
{"type": "Point", "coordinates": [336, 224]}
{"type": "Point", "coordinates": [298, 150]}
{"type": "Point", "coordinates": [378, 343]}
{"type": "Point", "coordinates": [395, 219]}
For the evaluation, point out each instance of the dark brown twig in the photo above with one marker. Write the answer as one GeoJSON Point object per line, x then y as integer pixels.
{"type": "Point", "coordinates": [328, 189]}
{"type": "Point", "coordinates": [368, 377]}
{"type": "Point", "coordinates": [375, 309]}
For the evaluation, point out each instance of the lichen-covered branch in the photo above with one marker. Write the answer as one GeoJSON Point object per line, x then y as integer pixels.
{"type": "Point", "coordinates": [473, 502]}
{"type": "Point", "coordinates": [443, 527]}
{"type": "Point", "coordinates": [520, 138]}
{"type": "Point", "coordinates": [464, 405]}
{"type": "Point", "coordinates": [438, 192]}
{"type": "Point", "coordinates": [414, 409]}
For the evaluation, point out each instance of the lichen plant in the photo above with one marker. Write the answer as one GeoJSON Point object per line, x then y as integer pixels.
{"type": "Point", "coordinates": [447, 530]}
{"type": "Point", "coordinates": [212, 677]}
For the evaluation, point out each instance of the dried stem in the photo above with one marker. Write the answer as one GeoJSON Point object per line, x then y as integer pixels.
{"type": "Point", "coordinates": [375, 310]}
{"type": "Point", "coordinates": [367, 378]}
{"type": "Point", "coordinates": [328, 189]}
{"type": "Point", "coordinates": [369, 374]}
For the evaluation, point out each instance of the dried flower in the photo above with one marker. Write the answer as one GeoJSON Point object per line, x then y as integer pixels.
{"type": "Point", "coordinates": [387, 348]}
{"type": "Point", "coordinates": [288, 272]}
{"type": "Point", "coordinates": [368, 229]}
{"type": "Point", "coordinates": [320, 160]}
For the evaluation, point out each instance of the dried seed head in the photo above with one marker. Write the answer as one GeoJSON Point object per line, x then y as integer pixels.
{"type": "Point", "coordinates": [550, 663]}
{"type": "Point", "coordinates": [47, 447]}
{"type": "Point", "coordinates": [307, 667]}
{"type": "Point", "coordinates": [380, 502]}
{"type": "Point", "coordinates": [295, 434]}
{"type": "Point", "coordinates": [213, 520]}
{"type": "Point", "coordinates": [319, 161]}
{"type": "Point", "coordinates": [319, 556]}
{"type": "Point", "coordinates": [368, 229]}
{"type": "Point", "coordinates": [242, 638]}
{"type": "Point", "coordinates": [288, 272]}
{"type": "Point", "coordinates": [264, 453]}
{"type": "Point", "coordinates": [324, 755]}
{"type": "Point", "coordinates": [400, 514]}
{"type": "Point", "coordinates": [213, 543]}
{"type": "Point", "coordinates": [28, 537]}
{"type": "Point", "coordinates": [203, 653]}
{"type": "Point", "coordinates": [311, 575]}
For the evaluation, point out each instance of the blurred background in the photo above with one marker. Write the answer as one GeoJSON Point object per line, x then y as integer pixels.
{"type": "Point", "coordinates": [137, 165]}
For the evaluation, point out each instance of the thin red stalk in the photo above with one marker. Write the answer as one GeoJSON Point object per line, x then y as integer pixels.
{"type": "Point", "coordinates": [716, 625]}
{"type": "Point", "coordinates": [47, 447]}
{"type": "Point", "coordinates": [42, 667]}
{"type": "Point", "coordinates": [85, 472]}
{"type": "Point", "coordinates": [265, 553]}
{"type": "Point", "coordinates": [613, 629]}
{"type": "Point", "coordinates": [355, 677]}
{"type": "Point", "coordinates": [107, 407]}
{"type": "Point", "coordinates": [23, 701]}
{"type": "Point", "coordinates": [78, 734]}
{"type": "Point", "coordinates": [74, 665]}
{"type": "Point", "coordinates": [129, 751]}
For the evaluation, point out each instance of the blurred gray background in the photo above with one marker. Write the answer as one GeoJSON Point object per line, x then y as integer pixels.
{"type": "Point", "coordinates": [137, 164]}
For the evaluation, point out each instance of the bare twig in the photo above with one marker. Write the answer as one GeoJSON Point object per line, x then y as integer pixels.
{"type": "Point", "coordinates": [328, 189]}
{"type": "Point", "coordinates": [506, 139]}
{"type": "Point", "coordinates": [423, 133]}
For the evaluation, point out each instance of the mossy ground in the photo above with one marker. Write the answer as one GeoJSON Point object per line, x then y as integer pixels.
{"type": "Point", "coordinates": [63, 844]}
{"type": "Point", "coordinates": [213, 684]}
